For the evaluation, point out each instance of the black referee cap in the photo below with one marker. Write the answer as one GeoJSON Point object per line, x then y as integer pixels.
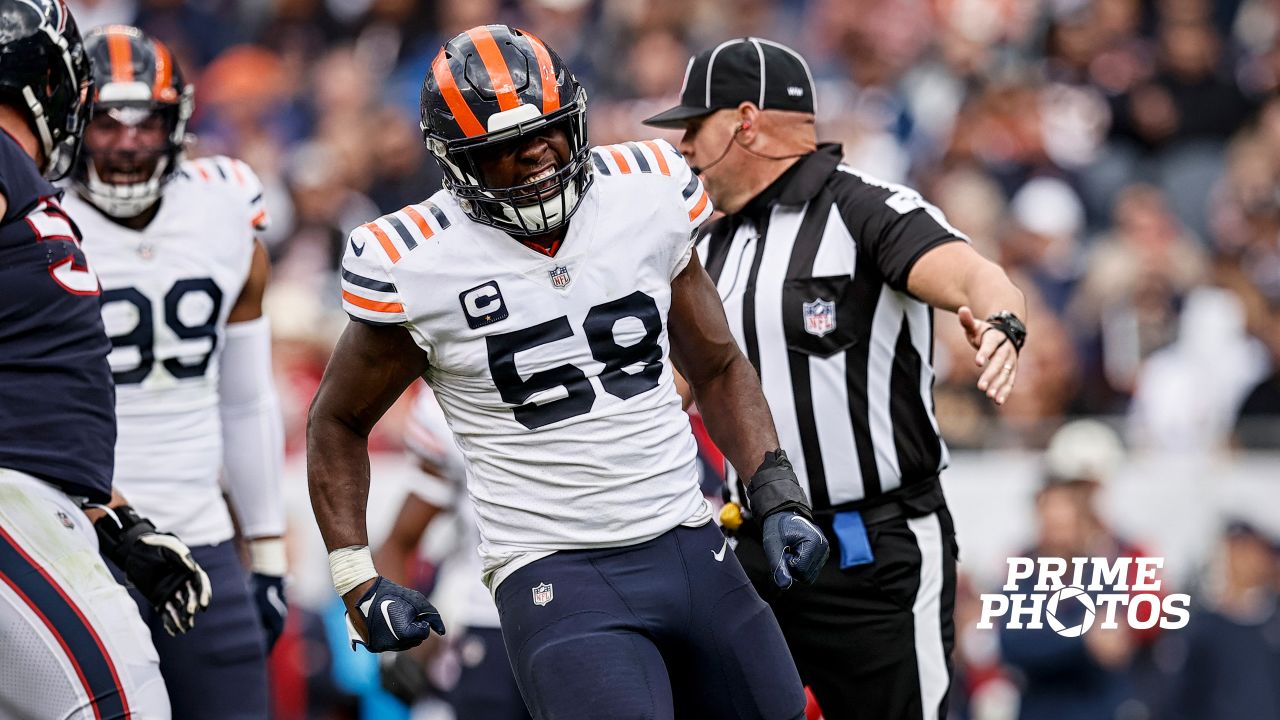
{"type": "Point", "coordinates": [750, 69]}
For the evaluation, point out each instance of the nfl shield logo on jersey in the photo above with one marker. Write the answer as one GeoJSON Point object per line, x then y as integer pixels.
{"type": "Point", "coordinates": [819, 317]}
{"type": "Point", "coordinates": [543, 594]}
{"type": "Point", "coordinates": [559, 276]}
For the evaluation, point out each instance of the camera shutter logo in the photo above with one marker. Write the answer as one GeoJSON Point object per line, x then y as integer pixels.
{"type": "Point", "coordinates": [1068, 594]}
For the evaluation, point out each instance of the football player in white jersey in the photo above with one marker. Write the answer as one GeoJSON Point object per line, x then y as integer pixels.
{"type": "Point", "coordinates": [549, 344]}
{"type": "Point", "coordinates": [485, 688]}
{"type": "Point", "coordinates": [182, 275]}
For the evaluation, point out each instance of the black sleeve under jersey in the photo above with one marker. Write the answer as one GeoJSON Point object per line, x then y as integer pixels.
{"type": "Point", "coordinates": [892, 225]}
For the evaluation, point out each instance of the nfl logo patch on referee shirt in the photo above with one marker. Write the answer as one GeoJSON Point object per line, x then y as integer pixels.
{"type": "Point", "coordinates": [819, 317]}
{"type": "Point", "coordinates": [559, 276]}
{"type": "Point", "coordinates": [543, 594]}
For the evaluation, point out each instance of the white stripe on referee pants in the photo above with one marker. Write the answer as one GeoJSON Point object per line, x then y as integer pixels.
{"type": "Point", "coordinates": [931, 658]}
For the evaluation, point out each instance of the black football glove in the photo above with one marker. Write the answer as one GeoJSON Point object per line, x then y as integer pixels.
{"type": "Point", "coordinates": [396, 617]}
{"type": "Point", "coordinates": [268, 595]}
{"type": "Point", "coordinates": [158, 564]}
{"type": "Point", "coordinates": [793, 545]}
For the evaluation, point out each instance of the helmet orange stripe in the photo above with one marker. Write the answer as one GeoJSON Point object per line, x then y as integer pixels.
{"type": "Point", "coordinates": [453, 97]}
{"type": "Point", "coordinates": [164, 71]}
{"type": "Point", "coordinates": [121, 53]}
{"type": "Point", "coordinates": [384, 241]}
{"type": "Point", "coordinates": [550, 90]}
{"type": "Point", "coordinates": [499, 74]}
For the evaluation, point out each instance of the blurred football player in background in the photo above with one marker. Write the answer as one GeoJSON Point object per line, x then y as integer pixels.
{"type": "Point", "coordinates": [484, 688]}
{"type": "Point", "coordinates": [72, 644]}
{"type": "Point", "coordinates": [549, 346]}
{"type": "Point", "coordinates": [183, 276]}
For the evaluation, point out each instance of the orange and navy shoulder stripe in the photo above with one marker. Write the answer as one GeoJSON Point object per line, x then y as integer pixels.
{"type": "Point", "coordinates": [406, 228]}
{"type": "Point", "coordinates": [631, 157]}
{"type": "Point", "coordinates": [232, 171]}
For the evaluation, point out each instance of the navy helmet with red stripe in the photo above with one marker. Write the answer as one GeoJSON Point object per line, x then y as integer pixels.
{"type": "Point", "coordinates": [137, 81]}
{"type": "Point", "coordinates": [491, 85]}
{"type": "Point", "coordinates": [43, 71]}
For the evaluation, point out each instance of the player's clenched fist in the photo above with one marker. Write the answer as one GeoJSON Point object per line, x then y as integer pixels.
{"type": "Point", "coordinates": [793, 545]}
{"type": "Point", "coordinates": [158, 564]}
{"type": "Point", "coordinates": [395, 617]}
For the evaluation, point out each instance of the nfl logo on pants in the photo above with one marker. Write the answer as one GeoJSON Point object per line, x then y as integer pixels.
{"type": "Point", "coordinates": [819, 317]}
{"type": "Point", "coordinates": [543, 594]}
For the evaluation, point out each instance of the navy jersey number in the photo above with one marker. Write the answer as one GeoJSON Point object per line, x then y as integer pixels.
{"type": "Point", "coordinates": [143, 337]}
{"type": "Point", "coordinates": [598, 328]}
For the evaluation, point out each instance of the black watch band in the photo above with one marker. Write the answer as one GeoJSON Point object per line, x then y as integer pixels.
{"type": "Point", "coordinates": [1013, 328]}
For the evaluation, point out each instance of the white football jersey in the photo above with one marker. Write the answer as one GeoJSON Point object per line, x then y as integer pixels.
{"type": "Point", "coordinates": [552, 371]}
{"type": "Point", "coordinates": [166, 294]}
{"type": "Point", "coordinates": [458, 592]}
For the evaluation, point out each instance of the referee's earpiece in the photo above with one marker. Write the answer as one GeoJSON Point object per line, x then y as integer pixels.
{"type": "Point", "coordinates": [746, 125]}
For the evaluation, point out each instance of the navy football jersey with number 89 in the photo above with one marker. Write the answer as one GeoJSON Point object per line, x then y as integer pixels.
{"type": "Point", "coordinates": [57, 399]}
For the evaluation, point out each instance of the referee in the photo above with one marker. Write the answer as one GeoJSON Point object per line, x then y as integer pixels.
{"type": "Point", "coordinates": [828, 277]}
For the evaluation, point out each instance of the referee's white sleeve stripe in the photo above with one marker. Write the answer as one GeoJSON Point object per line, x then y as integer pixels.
{"type": "Point", "coordinates": [931, 657]}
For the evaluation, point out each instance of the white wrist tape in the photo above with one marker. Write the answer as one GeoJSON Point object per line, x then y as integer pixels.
{"type": "Point", "coordinates": [351, 566]}
{"type": "Point", "coordinates": [267, 556]}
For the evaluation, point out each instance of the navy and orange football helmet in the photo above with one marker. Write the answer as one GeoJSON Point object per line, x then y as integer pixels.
{"type": "Point", "coordinates": [44, 70]}
{"type": "Point", "coordinates": [491, 85]}
{"type": "Point", "coordinates": [137, 81]}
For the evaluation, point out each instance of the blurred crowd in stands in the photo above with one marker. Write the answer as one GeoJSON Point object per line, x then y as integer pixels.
{"type": "Point", "coordinates": [1119, 158]}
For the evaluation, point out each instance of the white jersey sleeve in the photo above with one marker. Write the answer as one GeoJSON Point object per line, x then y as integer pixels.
{"type": "Point", "coordinates": [239, 174]}
{"type": "Point", "coordinates": [369, 293]}
{"type": "Point", "coordinates": [685, 194]}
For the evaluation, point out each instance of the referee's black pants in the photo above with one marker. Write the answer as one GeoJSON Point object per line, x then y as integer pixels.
{"type": "Point", "coordinates": [874, 641]}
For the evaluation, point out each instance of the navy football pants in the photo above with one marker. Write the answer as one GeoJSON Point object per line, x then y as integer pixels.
{"type": "Point", "coordinates": [218, 669]}
{"type": "Point", "coordinates": [669, 628]}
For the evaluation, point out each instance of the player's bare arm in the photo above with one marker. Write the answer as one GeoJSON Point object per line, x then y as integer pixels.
{"type": "Point", "coordinates": [725, 385]}
{"type": "Point", "coordinates": [956, 277]}
{"type": "Point", "coordinates": [738, 417]}
{"type": "Point", "coordinates": [370, 368]}
{"type": "Point", "coordinates": [249, 305]}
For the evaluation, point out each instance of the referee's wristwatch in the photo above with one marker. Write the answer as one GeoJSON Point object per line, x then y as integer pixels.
{"type": "Point", "coordinates": [1013, 328]}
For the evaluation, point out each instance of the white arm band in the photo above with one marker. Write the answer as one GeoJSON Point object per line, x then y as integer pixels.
{"type": "Point", "coordinates": [252, 429]}
{"type": "Point", "coordinates": [351, 566]}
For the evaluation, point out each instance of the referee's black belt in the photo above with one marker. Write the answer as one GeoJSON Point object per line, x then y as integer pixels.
{"type": "Point", "coordinates": [918, 499]}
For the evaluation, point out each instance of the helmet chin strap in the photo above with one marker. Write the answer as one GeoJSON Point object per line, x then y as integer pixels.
{"type": "Point", "coordinates": [698, 170]}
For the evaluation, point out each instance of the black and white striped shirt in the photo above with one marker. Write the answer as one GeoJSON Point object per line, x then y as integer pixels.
{"type": "Point", "coordinates": [813, 276]}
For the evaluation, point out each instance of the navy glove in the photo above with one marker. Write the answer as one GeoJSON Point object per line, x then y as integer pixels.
{"type": "Point", "coordinates": [396, 618]}
{"type": "Point", "coordinates": [795, 548]}
{"type": "Point", "coordinates": [268, 595]}
{"type": "Point", "coordinates": [793, 545]}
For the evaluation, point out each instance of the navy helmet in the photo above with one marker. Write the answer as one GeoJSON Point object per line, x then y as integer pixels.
{"type": "Point", "coordinates": [135, 77]}
{"type": "Point", "coordinates": [491, 85]}
{"type": "Point", "coordinates": [44, 70]}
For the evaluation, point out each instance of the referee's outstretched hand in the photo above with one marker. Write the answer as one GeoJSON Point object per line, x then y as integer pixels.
{"type": "Point", "coordinates": [794, 547]}
{"type": "Point", "coordinates": [996, 356]}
